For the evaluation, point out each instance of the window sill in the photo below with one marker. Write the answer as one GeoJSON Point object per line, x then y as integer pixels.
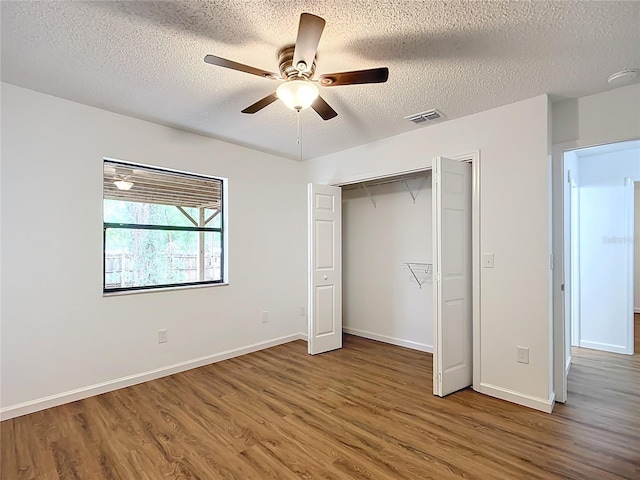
{"type": "Point", "coordinates": [167, 289]}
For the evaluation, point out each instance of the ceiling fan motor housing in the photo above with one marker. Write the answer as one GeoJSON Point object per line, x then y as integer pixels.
{"type": "Point", "coordinates": [288, 69]}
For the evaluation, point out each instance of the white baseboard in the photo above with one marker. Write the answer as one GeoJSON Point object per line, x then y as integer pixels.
{"type": "Point", "coordinates": [542, 404]}
{"type": "Point", "coordinates": [606, 347]}
{"type": "Point", "coordinates": [392, 340]}
{"type": "Point", "coordinates": [636, 310]}
{"type": "Point", "coordinates": [97, 389]}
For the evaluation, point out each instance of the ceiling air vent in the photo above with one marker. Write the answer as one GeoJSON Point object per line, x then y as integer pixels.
{"type": "Point", "coordinates": [428, 116]}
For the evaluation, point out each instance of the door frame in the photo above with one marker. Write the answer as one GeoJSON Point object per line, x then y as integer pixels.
{"type": "Point", "coordinates": [562, 323]}
{"type": "Point", "coordinates": [629, 207]}
{"type": "Point", "coordinates": [572, 265]}
{"type": "Point", "coordinates": [472, 157]}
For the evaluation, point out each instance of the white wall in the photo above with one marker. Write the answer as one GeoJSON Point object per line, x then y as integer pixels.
{"type": "Point", "coordinates": [59, 334]}
{"type": "Point", "coordinates": [514, 209]}
{"type": "Point", "coordinates": [605, 117]}
{"type": "Point", "coordinates": [604, 245]}
{"type": "Point", "coordinates": [636, 252]}
{"type": "Point", "coordinates": [376, 242]}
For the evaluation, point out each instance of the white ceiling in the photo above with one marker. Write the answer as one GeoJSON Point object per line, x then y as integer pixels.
{"type": "Point", "coordinates": [145, 59]}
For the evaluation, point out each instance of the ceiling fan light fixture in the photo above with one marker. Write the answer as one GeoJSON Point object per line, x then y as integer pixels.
{"type": "Point", "coordinates": [123, 184]}
{"type": "Point", "coordinates": [297, 94]}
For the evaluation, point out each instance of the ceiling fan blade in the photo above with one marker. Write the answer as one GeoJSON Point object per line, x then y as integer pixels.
{"type": "Point", "coordinates": [323, 109]}
{"type": "Point", "coordinates": [223, 62]}
{"type": "Point", "coordinates": [309, 33]}
{"type": "Point", "coordinates": [373, 75]}
{"type": "Point", "coordinates": [260, 104]}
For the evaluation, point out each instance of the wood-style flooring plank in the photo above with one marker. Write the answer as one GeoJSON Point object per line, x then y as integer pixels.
{"type": "Point", "coordinates": [363, 412]}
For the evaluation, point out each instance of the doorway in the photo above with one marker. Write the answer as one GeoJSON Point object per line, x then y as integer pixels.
{"type": "Point", "coordinates": [599, 207]}
{"type": "Point", "coordinates": [596, 274]}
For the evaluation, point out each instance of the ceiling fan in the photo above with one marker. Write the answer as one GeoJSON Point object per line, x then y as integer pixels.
{"type": "Point", "coordinates": [297, 65]}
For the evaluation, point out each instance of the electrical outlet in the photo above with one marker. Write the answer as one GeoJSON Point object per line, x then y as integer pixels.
{"type": "Point", "coordinates": [162, 336]}
{"type": "Point", "coordinates": [523, 355]}
{"type": "Point", "coordinates": [265, 317]}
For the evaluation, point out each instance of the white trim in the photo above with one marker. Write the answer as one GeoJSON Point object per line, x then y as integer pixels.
{"type": "Point", "coordinates": [636, 310]}
{"type": "Point", "coordinates": [423, 347]}
{"type": "Point", "coordinates": [558, 274]}
{"type": "Point", "coordinates": [629, 207]}
{"type": "Point", "coordinates": [573, 265]}
{"type": "Point", "coordinates": [560, 397]}
{"type": "Point", "coordinates": [162, 289]}
{"type": "Point", "coordinates": [475, 265]}
{"type": "Point", "coordinates": [605, 347]}
{"type": "Point", "coordinates": [586, 143]}
{"type": "Point", "coordinates": [367, 177]}
{"type": "Point", "coordinates": [542, 404]}
{"type": "Point", "coordinates": [99, 388]}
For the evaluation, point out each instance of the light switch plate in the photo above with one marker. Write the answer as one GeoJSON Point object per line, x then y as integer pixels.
{"type": "Point", "coordinates": [523, 355]}
{"type": "Point", "coordinates": [487, 260]}
{"type": "Point", "coordinates": [162, 336]}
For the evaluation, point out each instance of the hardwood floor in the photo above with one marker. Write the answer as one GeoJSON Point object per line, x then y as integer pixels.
{"type": "Point", "coordinates": [363, 412]}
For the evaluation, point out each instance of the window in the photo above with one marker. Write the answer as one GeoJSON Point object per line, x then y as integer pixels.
{"type": "Point", "coordinates": [161, 228]}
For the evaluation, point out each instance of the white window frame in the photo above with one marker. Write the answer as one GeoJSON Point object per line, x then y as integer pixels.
{"type": "Point", "coordinates": [222, 229]}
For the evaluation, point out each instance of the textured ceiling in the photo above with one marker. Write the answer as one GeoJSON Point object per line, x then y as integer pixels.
{"type": "Point", "coordinates": [145, 59]}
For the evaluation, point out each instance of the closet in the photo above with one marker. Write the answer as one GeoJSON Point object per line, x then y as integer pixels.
{"type": "Point", "coordinates": [390, 260]}
{"type": "Point", "coordinates": [387, 248]}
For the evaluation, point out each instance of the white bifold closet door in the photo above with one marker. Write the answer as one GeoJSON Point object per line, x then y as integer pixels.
{"type": "Point", "coordinates": [453, 287]}
{"type": "Point", "coordinates": [325, 268]}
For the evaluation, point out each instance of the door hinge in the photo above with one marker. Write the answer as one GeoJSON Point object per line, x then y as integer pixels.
{"type": "Point", "coordinates": [440, 378]}
{"type": "Point", "coordinates": [551, 261]}
{"type": "Point", "coordinates": [568, 176]}
{"type": "Point", "coordinates": [562, 287]}
{"type": "Point", "coordinates": [436, 177]}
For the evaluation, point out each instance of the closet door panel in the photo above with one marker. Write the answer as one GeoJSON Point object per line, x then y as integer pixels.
{"type": "Point", "coordinates": [325, 268]}
{"type": "Point", "coordinates": [453, 293]}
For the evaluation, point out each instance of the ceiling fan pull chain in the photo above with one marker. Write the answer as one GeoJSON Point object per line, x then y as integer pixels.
{"type": "Point", "coordinates": [299, 133]}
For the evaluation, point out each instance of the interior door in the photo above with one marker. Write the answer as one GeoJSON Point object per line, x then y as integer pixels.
{"type": "Point", "coordinates": [453, 288]}
{"type": "Point", "coordinates": [325, 268]}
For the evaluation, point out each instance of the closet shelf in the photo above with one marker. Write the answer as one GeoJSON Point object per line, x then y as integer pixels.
{"type": "Point", "coordinates": [420, 270]}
